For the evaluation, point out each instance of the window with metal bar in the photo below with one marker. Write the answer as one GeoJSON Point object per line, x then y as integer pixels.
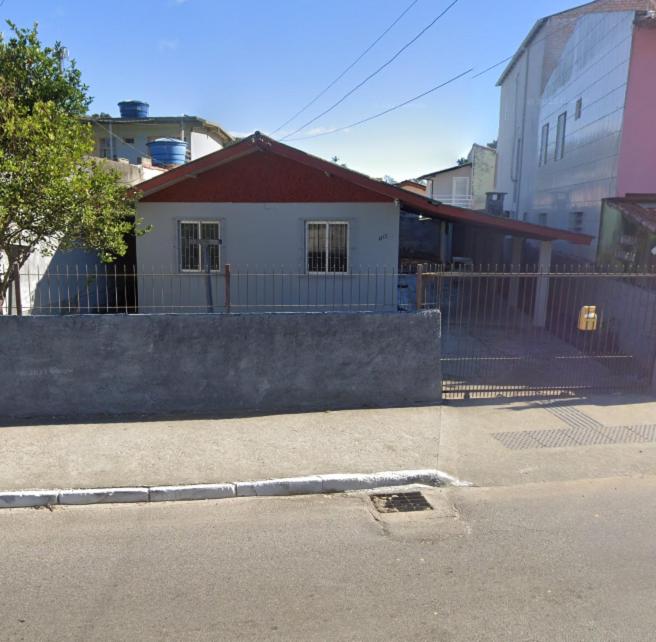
{"type": "Point", "coordinates": [199, 242]}
{"type": "Point", "coordinates": [560, 136]}
{"type": "Point", "coordinates": [544, 144]}
{"type": "Point", "coordinates": [327, 247]}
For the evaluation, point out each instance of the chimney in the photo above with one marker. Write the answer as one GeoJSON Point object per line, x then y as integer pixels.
{"type": "Point", "coordinates": [494, 203]}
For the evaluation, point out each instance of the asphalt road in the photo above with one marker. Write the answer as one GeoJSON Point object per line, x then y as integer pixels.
{"type": "Point", "coordinates": [559, 561]}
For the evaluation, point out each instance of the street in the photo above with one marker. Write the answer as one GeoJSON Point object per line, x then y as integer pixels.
{"type": "Point", "coordinates": [551, 561]}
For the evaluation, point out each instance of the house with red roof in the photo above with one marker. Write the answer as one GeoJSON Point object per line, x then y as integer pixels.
{"type": "Point", "coordinates": [266, 208]}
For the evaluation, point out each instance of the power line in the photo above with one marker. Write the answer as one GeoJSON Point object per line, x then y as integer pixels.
{"type": "Point", "coordinates": [403, 104]}
{"type": "Point", "coordinates": [355, 62]}
{"type": "Point", "coordinates": [387, 111]}
{"type": "Point", "coordinates": [374, 73]}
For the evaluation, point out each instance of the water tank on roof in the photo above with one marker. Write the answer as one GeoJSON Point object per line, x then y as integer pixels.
{"type": "Point", "coordinates": [133, 109]}
{"type": "Point", "coordinates": [168, 151]}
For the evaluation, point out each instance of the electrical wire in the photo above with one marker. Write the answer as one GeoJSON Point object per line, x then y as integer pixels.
{"type": "Point", "coordinates": [374, 73]}
{"type": "Point", "coordinates": [355, 62]}
{"type": "Point", "coordinates": [390, 109]}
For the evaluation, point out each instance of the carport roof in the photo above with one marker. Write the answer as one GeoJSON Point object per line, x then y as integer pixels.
{"type": "Point", "coordinates": [409, 201]}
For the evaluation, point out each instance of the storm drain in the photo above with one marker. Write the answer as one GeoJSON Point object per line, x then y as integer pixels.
{"type": "Point", "coordinates": [400, 502]}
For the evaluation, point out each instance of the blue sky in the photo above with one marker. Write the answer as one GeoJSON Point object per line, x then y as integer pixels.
{"type": "Point", "coordinates": [251, 64]}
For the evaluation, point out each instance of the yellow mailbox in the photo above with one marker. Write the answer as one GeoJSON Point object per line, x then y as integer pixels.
{"type": "Point", "coordinates": [588, 318]}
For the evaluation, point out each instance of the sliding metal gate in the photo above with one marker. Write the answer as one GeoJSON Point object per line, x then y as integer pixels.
{"type": "Point", "coordinates": [517, 333]}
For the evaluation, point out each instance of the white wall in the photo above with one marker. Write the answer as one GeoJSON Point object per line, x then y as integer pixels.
{"type": "Point", "coordinates": [202, 144]}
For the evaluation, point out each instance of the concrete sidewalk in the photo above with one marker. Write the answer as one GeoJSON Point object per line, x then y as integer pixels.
{"type": "Point", "coordinates": [492, 442]}
{"type": "Point", "coordinates": [197, 451]}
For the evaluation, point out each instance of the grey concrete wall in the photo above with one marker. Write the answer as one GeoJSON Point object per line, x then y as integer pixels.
{"type": "Point", "coordinates": [78, 366]}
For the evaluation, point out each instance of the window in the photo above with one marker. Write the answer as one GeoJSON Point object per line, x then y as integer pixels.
{"type": "Point", "coordinates": [199, 242]}
{"type": "Point", "coordinates": [327, 247]}
{"type": "Point", "coordinates": [576, 221]}
{"type": "Point", "coordinates": [129, 141]}
{"type": "Point", "coordinates": [542, 218]}
{"type": "Point", "coordinates": [560, 136]}
{"type": "Point", "coordinates": [544, 145]}
{"type": "Point", "coordinates": [579, 108]}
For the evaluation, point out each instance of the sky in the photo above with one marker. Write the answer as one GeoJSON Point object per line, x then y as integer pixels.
{"type": "Point", "coordinates": [251, 64]}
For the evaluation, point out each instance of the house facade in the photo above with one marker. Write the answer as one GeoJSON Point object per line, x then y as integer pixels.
{"type": "Point", "coordinates": [464, 185]}
{"type": "Point", "coordinates": [127, 136]}
{"type": "Point", "coordinates": [296, 231]}
{"type": "Point", "coordinates": [577, 101]}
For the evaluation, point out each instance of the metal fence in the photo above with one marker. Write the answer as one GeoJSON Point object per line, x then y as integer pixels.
{"type": "Point", "coordinates": [526, 331]}
{"type": "Point", "coordinates": [114, 289]}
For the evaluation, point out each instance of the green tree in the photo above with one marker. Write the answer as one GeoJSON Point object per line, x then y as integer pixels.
{"type": "Point", "coordinates": [53, 193]}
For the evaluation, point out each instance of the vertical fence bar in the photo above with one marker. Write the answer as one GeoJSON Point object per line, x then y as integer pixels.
{"type": "Point", "coordinates": [419, 294]}
{"type": "Point", "coordinates": [226, 293]}
{"type": "Point", "coordinates": [17, 289]}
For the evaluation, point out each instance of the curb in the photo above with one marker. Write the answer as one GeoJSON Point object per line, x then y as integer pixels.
{"type": "Point", "coordinates": [282, 487]}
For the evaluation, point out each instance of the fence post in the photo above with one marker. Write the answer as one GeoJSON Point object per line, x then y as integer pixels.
{"type": "Point", "coordinates": [420, 286]}
{"type": "Point", "coordinates": [17, 289]}
{"type": "Point", "coordinates": [226, 274]}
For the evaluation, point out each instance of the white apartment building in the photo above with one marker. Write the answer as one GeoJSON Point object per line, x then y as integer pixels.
{"type": "Point", "coordinates": [576, 117]}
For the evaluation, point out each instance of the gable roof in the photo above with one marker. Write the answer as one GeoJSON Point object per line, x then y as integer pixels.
{"type": "Point", "coordinates": [572, 13]}
{"type": "Point", "coordinates": [443, 171]}
{"type": "Point", "coordinates": [273, 151]}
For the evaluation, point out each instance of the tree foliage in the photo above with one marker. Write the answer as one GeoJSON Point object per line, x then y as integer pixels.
{"type": "Point", "coordinates": [53, 193]}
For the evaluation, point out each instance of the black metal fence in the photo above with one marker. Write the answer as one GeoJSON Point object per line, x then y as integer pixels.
{"type": "Point", "coordinates": [524, 332]}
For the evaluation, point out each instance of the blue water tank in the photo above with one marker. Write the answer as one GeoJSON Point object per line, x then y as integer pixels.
{"type": "Point", "coordinates": [167, 151]}
{"type": "Point", "coordinates": [133, 109]}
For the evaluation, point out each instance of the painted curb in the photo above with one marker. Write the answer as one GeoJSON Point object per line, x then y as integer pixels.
{"type": "Point", "coordinates": [191, 492]}
{"type": "Point", "coordinates": [28, 498]}
{"type": "Point", "coordinates": [282, 487]}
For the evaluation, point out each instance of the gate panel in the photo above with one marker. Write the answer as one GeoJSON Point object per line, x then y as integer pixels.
{"type": "Point", "coordinates": [491, 344]}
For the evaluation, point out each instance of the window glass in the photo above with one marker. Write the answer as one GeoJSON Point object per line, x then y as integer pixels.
{"type": "Point", "coordinates": [189, 246]}
{"type": "Point", "coordinates": [544, 144]}
{"type": "Point", "coordinates": [337, 247]}
{"type": "Point", "coordinates": [316, 247]}
{"type": "Point", "coordinates": [560, 136]}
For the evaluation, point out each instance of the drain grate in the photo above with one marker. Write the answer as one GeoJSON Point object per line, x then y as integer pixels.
{"type": "Point", "coordinates": [400, 502]}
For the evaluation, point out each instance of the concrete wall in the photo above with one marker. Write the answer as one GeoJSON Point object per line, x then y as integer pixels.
{"type": "Point", "coordinates": [183, 364]}
{"type": "Point", "coordinates": [259, 238]}
{"type": "Point", "coordinates": [484, 162]}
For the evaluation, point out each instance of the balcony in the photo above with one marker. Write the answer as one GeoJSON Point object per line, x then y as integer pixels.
{"type": "Point", "coordinates": [454, 199]}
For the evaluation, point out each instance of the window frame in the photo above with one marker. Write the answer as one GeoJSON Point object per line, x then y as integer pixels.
{"type": "Point", "coordinates": [198, 222]}
{"type": "Point", "coordinates": [544, 145]}
{"type": "Point", "coordinates": [327, 223]}
{"type": "Point", "coordinates": [559, 151]}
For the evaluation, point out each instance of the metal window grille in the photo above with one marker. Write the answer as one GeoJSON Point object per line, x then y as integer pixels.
{"type": "Point", "coordinates": [327, 247]}
{"type": "Point", "coordinates": [195, 236]}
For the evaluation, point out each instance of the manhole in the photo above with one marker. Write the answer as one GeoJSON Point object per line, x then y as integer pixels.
{"type": "Point", "coordinates": [400, 502]}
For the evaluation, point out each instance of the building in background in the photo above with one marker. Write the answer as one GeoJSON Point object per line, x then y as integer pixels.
{"type": "Point", "coordinates": [576, 121]}
{"type": "Point", "coordinates": [466, 184]}
{"type": "Point", "coordinates": [128, 136]}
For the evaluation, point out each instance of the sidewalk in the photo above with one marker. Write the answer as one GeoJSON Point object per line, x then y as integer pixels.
{"type": "Point", "coordinates": [198, 451]}
{"type": "Point", "coordinates": [491, 442]}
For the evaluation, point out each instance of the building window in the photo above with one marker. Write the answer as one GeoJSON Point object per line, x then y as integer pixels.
{"type": "Point", "coordinates": [544, 144]}
{"type": "Point", "coordinates": [542, 218]}
{"type": "Point", "coordinates": [576, 221]}
{"type": "Point", "coordinates": [327, 247]}
{"type": "Point", "coordinates": [199, 242]}
{"type": "Point", "coordinates": [579, 108]}
{"type": "Point", "coordinates": [129, 141]}
{"type": "Point", "coordinates": [560, 136]}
